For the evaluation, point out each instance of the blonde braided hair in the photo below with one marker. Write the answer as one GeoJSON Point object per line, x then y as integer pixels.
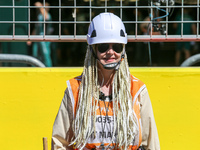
{"type": "Point", "coordinates": [125, 123]}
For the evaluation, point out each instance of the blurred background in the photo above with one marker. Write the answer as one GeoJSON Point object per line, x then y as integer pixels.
{"type": "Point", "coordinates": [22, 17]}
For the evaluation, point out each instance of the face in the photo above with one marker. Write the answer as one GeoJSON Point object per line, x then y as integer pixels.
{"type": "Point", "coordinates": [109, 52]}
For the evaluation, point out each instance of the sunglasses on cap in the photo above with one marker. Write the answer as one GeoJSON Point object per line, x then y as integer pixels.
{"type": "Point", "coordinates": [105, 46]}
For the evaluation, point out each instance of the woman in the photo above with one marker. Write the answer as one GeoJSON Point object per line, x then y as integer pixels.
{"type": "Point", "coordinates": [105, 107]}
{"type": "Point", "coordinates": [42, 50]}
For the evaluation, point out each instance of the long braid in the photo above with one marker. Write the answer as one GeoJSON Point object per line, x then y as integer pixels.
{"type": "Point", "coordinates": [125, 123]}
{"type": "Point", "coordinates": [82, 125]}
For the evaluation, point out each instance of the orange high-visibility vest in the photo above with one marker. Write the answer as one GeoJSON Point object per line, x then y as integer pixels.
{"type": "Point", "coordinates": [136, 87]}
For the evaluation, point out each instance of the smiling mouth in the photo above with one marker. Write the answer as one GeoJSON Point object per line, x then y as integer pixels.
{"type": "Point", "coordinates": [109, 59]}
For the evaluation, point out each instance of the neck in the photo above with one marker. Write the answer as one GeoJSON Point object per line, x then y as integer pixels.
{"type": "Point", "coordinates": [105, 77]}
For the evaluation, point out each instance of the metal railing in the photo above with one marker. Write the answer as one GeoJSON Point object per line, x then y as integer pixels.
{"type": "Point", "coordinates": [16, 58]}
{"type": "Point", "coordinates": [193, 60]}
{"type": "Point", "coordinates": [75, 16]}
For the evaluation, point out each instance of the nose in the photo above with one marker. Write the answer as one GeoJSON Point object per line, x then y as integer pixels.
{"type": "Point", "coordinates": [110, 49]}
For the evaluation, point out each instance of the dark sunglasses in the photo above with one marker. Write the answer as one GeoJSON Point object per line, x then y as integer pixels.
{"type": "Point", "coordinates": [105, 46]}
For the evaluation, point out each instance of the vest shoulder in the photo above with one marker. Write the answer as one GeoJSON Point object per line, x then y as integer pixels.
{"type": "Point", "coordinates": [75, 81]}
{"type": "Point", "coordinates": [136, 84]}
{"type": "Point", "coordinates": [136, 80]}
